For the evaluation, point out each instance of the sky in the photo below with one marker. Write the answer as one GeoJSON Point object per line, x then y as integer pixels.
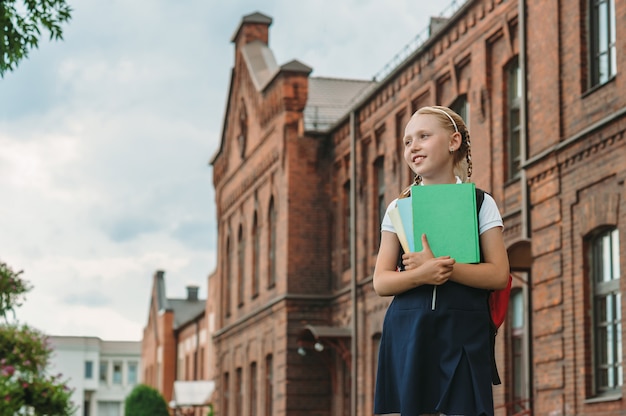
{"type": "Point", "coordinates": [106, 139]}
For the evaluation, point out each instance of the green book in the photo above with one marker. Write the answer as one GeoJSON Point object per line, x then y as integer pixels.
{"type": "Point", "coordinates": [447, 215]}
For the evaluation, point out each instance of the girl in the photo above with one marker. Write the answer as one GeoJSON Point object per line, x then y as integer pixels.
{"type": "Point", "coordinates": [438, 360]}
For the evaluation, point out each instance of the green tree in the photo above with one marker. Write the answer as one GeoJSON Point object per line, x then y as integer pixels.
{"type": "Point", "coordinates": [25, 388]}
{"type": "Point", "coordinates": [145, 401]}
{"type": "Point", "coordinates": [22, 22]}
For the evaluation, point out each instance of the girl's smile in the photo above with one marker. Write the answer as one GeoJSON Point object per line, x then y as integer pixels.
{"type": "Point", "coordinates": [427, 148]}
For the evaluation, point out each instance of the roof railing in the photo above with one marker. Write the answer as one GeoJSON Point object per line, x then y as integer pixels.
{"type": "Point", "coordinates": [417, 41]}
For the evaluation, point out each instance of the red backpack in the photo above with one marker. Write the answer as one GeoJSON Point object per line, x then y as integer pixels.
{"type": "Point", "coordinates": [499, 304]}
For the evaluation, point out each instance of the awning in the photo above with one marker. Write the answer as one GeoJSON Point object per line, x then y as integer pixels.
{"type": "Point", "coordinates": [193, 393]}
{"type": "Point", "coordinates": [318, 337]}
{"type": "Point", "coordinates": [322, 331]}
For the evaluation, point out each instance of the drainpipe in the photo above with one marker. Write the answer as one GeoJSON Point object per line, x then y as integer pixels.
{"type": "Point", "coordinates": [353, 269]}
{"type": "Point", "coordinates": [523, 122]}
{"type": "Point", "coordinates": [525, 195]}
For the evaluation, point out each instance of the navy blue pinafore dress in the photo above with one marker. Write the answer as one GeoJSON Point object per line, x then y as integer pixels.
{"type": "Point", "coordinates": [435, 353]}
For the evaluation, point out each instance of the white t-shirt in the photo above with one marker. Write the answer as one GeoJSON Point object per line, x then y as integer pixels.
{"type": "Point", "coordinates": [488, 216]}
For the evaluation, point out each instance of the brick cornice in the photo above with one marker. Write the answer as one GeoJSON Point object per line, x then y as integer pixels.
{"type": "Point", "coordinates": [589, 148]}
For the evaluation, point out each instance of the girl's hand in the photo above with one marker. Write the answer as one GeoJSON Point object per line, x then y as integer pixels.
{"type": "Point", "coordinates": [437, 271]}
{"type": "Point", "coordinates": [414, 260]}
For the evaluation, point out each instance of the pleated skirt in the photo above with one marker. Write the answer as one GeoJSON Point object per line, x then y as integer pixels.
{"type": "Point", "coordinates": [435, 354]}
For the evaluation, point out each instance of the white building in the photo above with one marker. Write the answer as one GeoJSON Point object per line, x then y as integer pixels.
{"type": "Point", "coordinates": [101, 373]}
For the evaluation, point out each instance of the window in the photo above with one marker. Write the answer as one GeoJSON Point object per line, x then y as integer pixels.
{"type": "Point", "coordinates": [602, 41]}
{"type": "Point", "coordinates": [107, 408]}
{"type": "Point", "coordinates": [241, 250]}
{"type": "Point", "coordinates": [243, 129]}
{"type": "Point", "coordinates": [607, 317]}
{"type": "Point", "coordinates": [253, 389]}
{"type": "Point", "coordinates": [345, 240]}
{"type": "Point", "coordinates": [461, 107]}
{"type": "Point", "coordinates": [132, 373]}
{"type": "Point", "coordinates": [379, 167]}
{"type": "Point", "coordinates": [239, 394]}
{"type": "Point", "coordinates": [256, 264]}
{"type": "Point", "coordinates": [88, 370]}
{"type": "Point", "coordinates": [201, 364]}
{"type": "Point", "coordinates": [269, 386]}
{"type": "Point", "coordinates": [340, 399]}
{"type": "Point", "coordinates": [518, 391]}
{"type": "Point", "coordinates": [180, 367]}
{"type": "Point", "coordinates": [104, 366]}
{"type": "Point", "coordinates": [117, 373]}
{"type": "Point", "coordinates": [226, 393]}
{"type": "Point", "coordinates": [271, 230]}
{"type": "Point", "coordinates": [228, 277]}
{"type": "Point", "coordinates": [514, 95]}
{"type": "Point", "coordinates": [406, 175]}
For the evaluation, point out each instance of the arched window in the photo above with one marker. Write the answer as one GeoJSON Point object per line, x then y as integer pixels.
{"type": "Point", "coordinates": [226, 393]}
{"type": "Point", "coordinates": [253, 386]}
{"type": "Point", "coordinates": [519, 389]}
{"type": "Point", "coordinates": [514, 122]}
{"type": "Point", "coordinates": [606, 301]}
{"type": "Point", "coordinates": [380, 202]}
{"type": "Point", "coordinates": [271, 246]}
{"type": "Point", "coordinates": [256, 243]}
{"type": "Point", "coordinates": [269, 385]}
{"type": "Point", "coordinates": [241, 252]}
{"type": "Point", "coordinates": [227, 278]}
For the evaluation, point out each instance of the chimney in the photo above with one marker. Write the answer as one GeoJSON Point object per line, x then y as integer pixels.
{"type": "Point", "coordinates": [192, 292]}
{"type": "Point", "coordinates": [253, 27]}
{"type": "Point", "coordinates": [436, 24]}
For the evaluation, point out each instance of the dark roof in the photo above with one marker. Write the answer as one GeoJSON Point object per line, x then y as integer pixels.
{"type": "Point", "coordinates": [330, 99]}
{"type": "Point", "coordinates": [296, 66]}
{"type": "Point", "coordinates": [255, 17]}
{"type": "Point", "coordinates": [186, 311]}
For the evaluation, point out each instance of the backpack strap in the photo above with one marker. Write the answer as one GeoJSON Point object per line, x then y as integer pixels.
{"type": "Point", "coordinates": [493, 331]}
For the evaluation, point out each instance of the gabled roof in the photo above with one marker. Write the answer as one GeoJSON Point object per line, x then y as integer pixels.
{"type": "Point", "coordinates": [186, 311]}
{"type": "Point", "coordinates": [330, 99]}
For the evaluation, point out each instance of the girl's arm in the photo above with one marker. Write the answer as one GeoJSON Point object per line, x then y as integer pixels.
{"type": "Point", "coordinates": [494, 272]}
{"type": "Point", "coordinates": [389, 282]}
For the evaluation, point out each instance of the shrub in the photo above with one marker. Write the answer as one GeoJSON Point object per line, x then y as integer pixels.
{"type": "Point", "coordinates": [145, 401]}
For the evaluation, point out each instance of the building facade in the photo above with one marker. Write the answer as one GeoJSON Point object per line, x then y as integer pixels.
{"type": "Point", "coordinates": [175, 348]}
{"type": "Point", "coordinates": [100, 373]}
{"type": "Point", "coordinates": [307, 166]}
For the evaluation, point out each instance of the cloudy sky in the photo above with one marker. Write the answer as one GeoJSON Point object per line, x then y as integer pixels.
{"type": "Point", "coordinates": [105, 140]}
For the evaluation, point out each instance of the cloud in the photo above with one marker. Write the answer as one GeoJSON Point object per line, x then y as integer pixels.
{"type": "Point", "coordinates": [105, 139]}
{"type": "Point", "coordinates": [128, 228]}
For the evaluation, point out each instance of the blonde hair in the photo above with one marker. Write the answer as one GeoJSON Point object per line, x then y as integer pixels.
{"type": "Point", "coordinates": [463, 156]}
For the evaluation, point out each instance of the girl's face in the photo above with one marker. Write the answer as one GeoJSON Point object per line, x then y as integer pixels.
{"type": "Point", "coordinates": [427, 147]}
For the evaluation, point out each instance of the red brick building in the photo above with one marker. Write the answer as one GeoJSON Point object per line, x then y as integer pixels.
{"type": "Point", "coordinates": [307, 165]}
{"type": "Point", "coordinates": [176, 348]}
